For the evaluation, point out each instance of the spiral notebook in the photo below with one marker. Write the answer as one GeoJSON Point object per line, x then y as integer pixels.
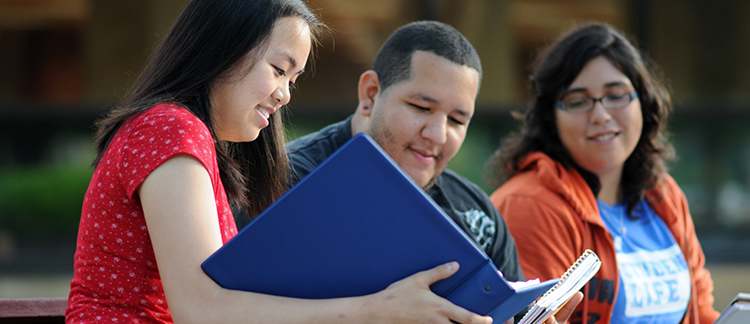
{"type": "Point", "coordinates": [573, 280]}
{"type": "Point", "coordinates": [353, 226]}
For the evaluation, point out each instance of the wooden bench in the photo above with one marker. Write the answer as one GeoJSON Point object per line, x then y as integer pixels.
{"type": "Point", "coordinates": [33, 310]}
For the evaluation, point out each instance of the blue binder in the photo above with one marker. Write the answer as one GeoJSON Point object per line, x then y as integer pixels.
{"type": "Point", "coordinates": [353, 226]}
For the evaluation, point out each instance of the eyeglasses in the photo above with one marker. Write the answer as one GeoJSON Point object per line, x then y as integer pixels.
{"type": "Point", "coordinates": [586, 104]}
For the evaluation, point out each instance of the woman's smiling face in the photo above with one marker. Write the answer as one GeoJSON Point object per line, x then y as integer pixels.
{"type": "Point", "coordinates": [244, 101]}
{"type": "Point", "coordinates": [602, 139]}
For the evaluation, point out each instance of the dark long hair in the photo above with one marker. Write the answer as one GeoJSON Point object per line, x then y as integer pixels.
{"type": "Point", "coordinates": [209, 41]}
{"type": "Point", "coordinates": [553, 72]}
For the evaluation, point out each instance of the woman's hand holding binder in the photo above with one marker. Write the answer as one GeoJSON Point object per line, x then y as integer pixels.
{"type": "Point", "coordinates": [410, 300]}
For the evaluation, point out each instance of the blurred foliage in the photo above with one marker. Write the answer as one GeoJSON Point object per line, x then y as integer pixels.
{"type": "Point", "coordinates": [43, 201]}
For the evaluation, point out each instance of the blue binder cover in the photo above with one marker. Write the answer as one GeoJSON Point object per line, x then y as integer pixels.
{"type": "Point", "coordinates": [353, 226]}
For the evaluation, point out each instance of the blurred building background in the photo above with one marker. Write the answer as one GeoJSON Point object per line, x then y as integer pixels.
{"type": "Point", "coordinates": [64, 63]}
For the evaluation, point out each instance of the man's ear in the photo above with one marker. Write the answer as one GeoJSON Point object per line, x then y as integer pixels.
{"type": "Point", "coordinates": [367, 91]}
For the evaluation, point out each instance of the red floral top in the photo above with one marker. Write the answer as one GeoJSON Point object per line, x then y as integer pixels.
{"type": "Point", "coordinates": [116, 279]}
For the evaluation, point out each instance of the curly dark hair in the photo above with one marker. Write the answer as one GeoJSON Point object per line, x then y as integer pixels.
{"type": "Point", "coordinates": [553, 72]}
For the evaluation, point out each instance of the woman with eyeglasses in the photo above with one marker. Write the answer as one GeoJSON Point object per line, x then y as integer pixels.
{"type": "Point", "coordinates": [587, 171]}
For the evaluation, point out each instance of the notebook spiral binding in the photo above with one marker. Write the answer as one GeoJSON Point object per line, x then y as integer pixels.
{"type": "Point", "coordinates": [569, 271]}
{"type": "Point", "coordinates": [538, 314]}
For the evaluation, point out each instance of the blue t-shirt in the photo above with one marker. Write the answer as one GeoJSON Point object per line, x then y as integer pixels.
{"type": "Point", "coordinates": [654, 276]}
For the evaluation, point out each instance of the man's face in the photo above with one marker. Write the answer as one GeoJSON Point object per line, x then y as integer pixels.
{"type": "Point", "coordinates": [422, 122]}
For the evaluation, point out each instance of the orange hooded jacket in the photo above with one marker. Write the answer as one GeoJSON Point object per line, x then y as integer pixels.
{"type": "Point", "coordinates": [553, 216]}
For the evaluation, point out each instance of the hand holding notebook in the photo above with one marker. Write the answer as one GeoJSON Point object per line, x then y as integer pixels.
{"type": "Point", "coordinates": [572, 281]}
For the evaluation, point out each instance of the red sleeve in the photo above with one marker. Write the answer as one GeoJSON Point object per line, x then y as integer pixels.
{"type": "Point", "coordinates": [159, 134]}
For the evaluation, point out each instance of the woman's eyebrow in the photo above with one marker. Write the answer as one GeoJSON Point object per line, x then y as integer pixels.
{"type": "Point", "coordinates": [292, 61]}
{"type": "Point", "coordinates": [606, 85]}
{"type": "Point", "coordinates": [616, 84]}
{"type": "Point", "coordinates": [574, 90]}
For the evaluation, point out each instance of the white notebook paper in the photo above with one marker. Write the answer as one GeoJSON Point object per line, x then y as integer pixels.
{"type": "Point", "coordinates": [573, 280]}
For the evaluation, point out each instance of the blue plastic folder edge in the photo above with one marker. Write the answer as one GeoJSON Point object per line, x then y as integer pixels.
{"type": "Point", "coordinates": [353, 226]}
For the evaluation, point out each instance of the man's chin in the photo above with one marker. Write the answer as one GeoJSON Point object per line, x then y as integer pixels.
{"type": "Point", "coordinates": [423, 178]}
{"type": "Point", "coordinates": [430, 183]}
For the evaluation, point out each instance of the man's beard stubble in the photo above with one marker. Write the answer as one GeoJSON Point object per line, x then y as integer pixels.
{"type": "Point", "coordinates": [384, 137]}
